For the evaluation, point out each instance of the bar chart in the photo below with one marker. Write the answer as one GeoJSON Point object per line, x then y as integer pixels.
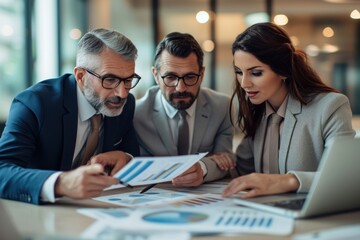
{"type": "Point", "coordinates": [151, 170]}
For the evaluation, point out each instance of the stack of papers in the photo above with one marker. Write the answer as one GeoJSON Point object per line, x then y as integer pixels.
{"type": "Point", "coordinates": [157, 196]}
{"type": "Point", "coordinates": [198, 220]}
{"type": "Point", "coordinates": [180, 211]}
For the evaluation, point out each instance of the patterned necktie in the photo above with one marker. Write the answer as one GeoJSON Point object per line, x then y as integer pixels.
{"type": "Point", "coordinates": [183, 136]}
{"type": "Point", "coordinates": [91, 142]}
{"type": "Point", "coordinates": [274, 136]}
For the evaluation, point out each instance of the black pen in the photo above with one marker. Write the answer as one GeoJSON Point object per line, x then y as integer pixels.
{"type": "Point", "coordinates": [125, 184]}
{"type": "Point", "coordinates": [106, 173]}
{"type": "Point", "coordinates": [148, 187]}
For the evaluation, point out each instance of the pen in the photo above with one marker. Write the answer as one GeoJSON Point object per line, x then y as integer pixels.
{"type": "Point", "coordinates": [125, 184]}
{"type": "Point", "coordinates": [148, 187]}
{"type": "Point", "coordinates": [121, 182]}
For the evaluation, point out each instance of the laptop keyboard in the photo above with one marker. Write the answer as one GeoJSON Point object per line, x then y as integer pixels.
{"type": "Point", "coordinates": [295, 204]}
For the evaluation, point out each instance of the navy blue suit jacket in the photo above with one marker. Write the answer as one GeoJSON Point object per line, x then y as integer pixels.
{"type": "Point", "coordinates": [40, 135]}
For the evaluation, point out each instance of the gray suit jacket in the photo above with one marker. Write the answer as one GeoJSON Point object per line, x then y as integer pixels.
{"type": "Point", "coordinates": [213, 131]}
{"type": "Point", "coordinates": [306, 132]}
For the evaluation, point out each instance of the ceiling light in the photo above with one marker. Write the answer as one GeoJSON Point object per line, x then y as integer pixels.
{"type": "Point", "coordinates": [202, 17]}
{"type": "Point", "coordinates": [355, 14]}
{"type": "Point", "coordinates": [328, 32]}
{"type": "Point", "coordinates": [329, 48]}
{"type": "Point", "coordinates": [312, 50]}
{"type": "Point", "coordinates": [208, 45]}
{"type": "Point", "coordinates": [281, 19]}
{"type": "Point", "coordinates": [75, 33]}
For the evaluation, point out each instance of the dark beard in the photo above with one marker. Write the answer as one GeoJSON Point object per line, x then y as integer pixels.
{"type": "Point", "coordinates": [181, 105]}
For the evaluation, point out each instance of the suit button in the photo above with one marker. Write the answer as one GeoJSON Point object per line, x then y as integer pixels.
{"type": "Point", "coordinates": [29, 199]}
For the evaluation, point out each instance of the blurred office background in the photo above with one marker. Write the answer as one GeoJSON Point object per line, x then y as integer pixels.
{"type": "Point", "coordinates": [38, 38]}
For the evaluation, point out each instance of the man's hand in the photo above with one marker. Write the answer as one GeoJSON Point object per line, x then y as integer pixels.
{"type": "Point", "coordinates": [83, 182]}
{"type": "Point", "coordinates": [112, 161]}
{"type": "Point", "coordinates": [258, 184]}
{"type": "Point", "coordinates": [223, 160]}
{"type": "Point", "coordinates": [190, 178]}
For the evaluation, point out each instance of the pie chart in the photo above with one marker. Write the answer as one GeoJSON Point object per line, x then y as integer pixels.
{"type": "Point", "coordinates": [175, 217]}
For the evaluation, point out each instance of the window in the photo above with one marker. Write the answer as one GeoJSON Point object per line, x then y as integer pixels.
{"type": "Point", "coordinates": [12, 53]}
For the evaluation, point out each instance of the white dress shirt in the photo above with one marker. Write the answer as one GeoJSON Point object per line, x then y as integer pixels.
{"type": "Point", "coordinates": [85, 112]}
{"type": "Point", "coordinates": [173, 122]}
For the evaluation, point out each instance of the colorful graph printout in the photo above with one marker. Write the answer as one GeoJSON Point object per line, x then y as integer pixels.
{"type": "Point", "coordinates": [175, 217]}
{"type": "Point", "coordinates": [207, 220]}
{"type": "Point", "coordinates": [204, 200]}
{"type": "Point", "coordinates": [151, 197]}
{"type": "Point", "coordinates": [150, 170]}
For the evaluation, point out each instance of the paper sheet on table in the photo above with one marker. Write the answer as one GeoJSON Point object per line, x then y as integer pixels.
{"type": "Point", "coordinates": [229, 220]}
{"type": "Point", "coordinates": [157, 196]}
{"type": "Point", "coordinates": [152, 197]}
{"type": "Point", "coordinates": [150, 170]}
{"type": "Point", "coordinates": [100, 230]}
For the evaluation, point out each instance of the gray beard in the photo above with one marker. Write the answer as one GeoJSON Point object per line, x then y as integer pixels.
{"type": "Point", "coordinates": [100, 106]}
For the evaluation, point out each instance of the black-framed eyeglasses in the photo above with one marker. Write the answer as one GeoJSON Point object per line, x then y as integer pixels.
{"type": "Point", "coordinates": [111, 82]}
{"type": "Point", "coordinates": [172, 80]}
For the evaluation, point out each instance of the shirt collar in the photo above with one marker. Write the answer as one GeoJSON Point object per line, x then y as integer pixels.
{"type": "Point", "coordinates": [171, 111]}
{"type": "Point", "coordinates": [85, 109]}
{"type": "Point", "coordinates": [281, 111]}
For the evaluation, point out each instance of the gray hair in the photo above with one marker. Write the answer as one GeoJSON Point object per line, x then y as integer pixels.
{"type": "Point", "coordinates": [94, 42]}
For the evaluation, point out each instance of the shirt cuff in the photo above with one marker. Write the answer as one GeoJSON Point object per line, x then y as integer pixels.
{"type": "Point", "coordinates": [48, 189]}
{"type": "Point", "coordinates": [203, 168]}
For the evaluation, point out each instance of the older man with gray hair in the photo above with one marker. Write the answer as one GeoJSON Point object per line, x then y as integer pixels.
{"type": "Point", "coordinates": [63, 134]}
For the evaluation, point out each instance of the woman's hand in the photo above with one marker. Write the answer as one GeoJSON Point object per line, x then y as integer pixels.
{"type": "Point", "coordinates": [258, 184]}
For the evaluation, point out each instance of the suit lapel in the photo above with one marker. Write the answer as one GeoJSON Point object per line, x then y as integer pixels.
{"type": "Point", "coordinates": [293, 108]}
{"type": "Point", "coordinates": [69, 122]}
{"type": "Point", "coordinates": [162, 126]}
{"type": "Point", "coordinates": [109, 140]}
{"type": "Point", "coordinates": [202, 117]}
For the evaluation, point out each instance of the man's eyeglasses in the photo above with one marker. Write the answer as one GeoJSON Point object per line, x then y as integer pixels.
{"type": "Point", "coordinates": [111, 82]}
{"type": "Point", "coordinates": [172, 80]}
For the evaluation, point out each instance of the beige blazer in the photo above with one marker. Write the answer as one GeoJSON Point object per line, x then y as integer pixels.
{"type": "Point", "coordinates": [213, 131]}
{"type": "Point", "coordinates": [306, 131]}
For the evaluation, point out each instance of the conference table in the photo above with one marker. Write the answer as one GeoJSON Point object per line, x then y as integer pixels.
{"type": "Point", "coordinates": [62, 220]}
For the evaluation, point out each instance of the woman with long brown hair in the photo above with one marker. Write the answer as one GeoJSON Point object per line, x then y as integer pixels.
{"type": "Point", "coordinates": [286, 112]}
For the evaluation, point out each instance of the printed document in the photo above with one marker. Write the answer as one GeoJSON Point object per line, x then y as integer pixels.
{"type": "Point", "coordinates": [151, 170]}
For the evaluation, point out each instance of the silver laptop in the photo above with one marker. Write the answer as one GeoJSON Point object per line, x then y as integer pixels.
{"type": "Point", "coordinates": [335, 187]}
